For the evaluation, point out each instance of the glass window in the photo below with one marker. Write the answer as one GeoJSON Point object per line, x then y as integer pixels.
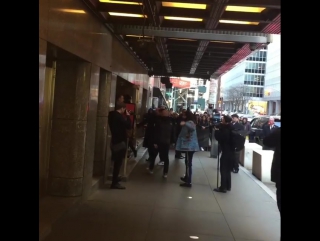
{"type": "Point", "coordinates": [264, 54]}
{"type": "Point", "coordinates": [253, 122]}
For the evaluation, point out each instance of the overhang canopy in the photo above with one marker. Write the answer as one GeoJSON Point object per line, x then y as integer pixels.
{"type": "Point", "coordinates": [194, 38]}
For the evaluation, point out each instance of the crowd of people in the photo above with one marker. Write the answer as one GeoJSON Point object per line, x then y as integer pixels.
{"type": "Point", "coordinates": [188, 133]}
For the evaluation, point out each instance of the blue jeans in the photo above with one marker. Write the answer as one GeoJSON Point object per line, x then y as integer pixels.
{"type": "Point", "coordinates": [188, 163]}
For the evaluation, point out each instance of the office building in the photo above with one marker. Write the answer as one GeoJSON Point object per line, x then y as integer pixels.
{"type": "Point", "coordinates": [272, 92]}
{"type": "Point", "coordinates": [253, 85]}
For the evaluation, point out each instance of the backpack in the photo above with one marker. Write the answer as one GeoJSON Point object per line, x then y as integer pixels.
{"type": "Point", "coordinates": [238, 139]}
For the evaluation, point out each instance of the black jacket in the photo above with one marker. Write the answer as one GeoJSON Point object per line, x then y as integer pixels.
{"type": "Point", "coordinates": [267, 131]}
{"type": "Point", "coordinates": [273, 141]}
{"type": "Point", "coordinates": [223, 136]}
{"type": "Point", "coordinates": [162, 130]}
{"type": "Point", "coordinates": [149, 131]}
{"type": "Point", "coordinates": [118, 126]}
{"type": "Point", "coordinates": [238, 127]}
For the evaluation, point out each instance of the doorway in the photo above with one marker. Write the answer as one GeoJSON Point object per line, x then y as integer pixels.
{"type": "Point", "coordinates": [124, 88]}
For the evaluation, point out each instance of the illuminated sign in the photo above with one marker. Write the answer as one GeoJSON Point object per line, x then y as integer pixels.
{"type": "Point", "coordinates": [178, 83]}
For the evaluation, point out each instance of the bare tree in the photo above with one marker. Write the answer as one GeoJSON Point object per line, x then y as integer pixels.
{"type": "Point", "coordinates": [236, 95]}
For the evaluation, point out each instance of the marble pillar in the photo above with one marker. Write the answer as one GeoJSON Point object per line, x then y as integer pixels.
{"type": "Point", "coordinates": [69, 128]}
{"type": "Point", "coordinates": [270, 107]}
{"type": "Point", "coordinates": [91, 131]}
{"type": "Point", "coordinates": [112, 98]}
{"type": "Point", "coordinates": [102, 123]}
{"type": "Point", "coordinates": [42, 79]}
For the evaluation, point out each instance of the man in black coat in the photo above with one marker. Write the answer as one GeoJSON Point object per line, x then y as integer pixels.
{"type": "Point", "coordinates": [273, 141]}
{"type": "Point", "coordinates": [237, 127]}
{"type": "Point", "coordinates": [267, 129]}
{"type": "Point", "coordinates": [118, 126]}
{"type": "Point", "coordinates": [223, 136]}
{"type": "Point", "coordinates": [162, 140]}
{"type": "Point", "coordinates": [148, 120]}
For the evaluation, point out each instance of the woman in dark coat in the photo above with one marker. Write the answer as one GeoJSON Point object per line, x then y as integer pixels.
{"type": "Point", "coordinates": [148, 121]}
{"type": "Point", "coordinates": [203, 131]}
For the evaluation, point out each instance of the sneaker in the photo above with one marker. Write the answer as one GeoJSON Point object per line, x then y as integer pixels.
{"type": "Point", "coordinates": [160, 163]}
{"type": "Point", "coordinates": [202, 149]}
{"type": "Point", "coordinates": [165, 175]}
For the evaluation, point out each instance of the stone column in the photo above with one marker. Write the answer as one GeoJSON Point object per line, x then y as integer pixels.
{"type": "Point", "coordinates": [216, 106]}
{"type": "Point", "coordinates": [112, 84]}
{"type": "Point", "coordinates": [69, 128]}
{"type": "Point", "coordinates": [91, 131]}
{"type": "Point", "coordinates": [278, 107]}
{"type": "Point", "coordinates": [42, 79]}
{"type": "Point", "coordinates": [270, 107]}
{"type": "Point", "coordinates": [102, 123]}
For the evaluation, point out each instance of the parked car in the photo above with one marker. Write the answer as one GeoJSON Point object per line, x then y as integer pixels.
{"type": "Point", "coordinates": [248, 116]}
{"type": "Point", "coordinates": [256, 127]}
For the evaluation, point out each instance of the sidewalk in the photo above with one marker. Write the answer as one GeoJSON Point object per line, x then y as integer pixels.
{"type": "Point", "coordinates": [155, 209]}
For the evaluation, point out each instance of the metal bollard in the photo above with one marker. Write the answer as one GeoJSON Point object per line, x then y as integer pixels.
{"type": "Point", "coordinates": [214, 146]}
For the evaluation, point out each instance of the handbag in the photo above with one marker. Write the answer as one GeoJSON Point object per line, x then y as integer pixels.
{"type": "Point", "coordinates": [119, 147]}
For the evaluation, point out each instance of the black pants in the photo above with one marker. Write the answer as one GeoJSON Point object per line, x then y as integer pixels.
{"type": "Point", "coordinates": [164, 156]}
{"type": "Point", "coordinates": [131, 146]}
{"type": "Point", "coordinates": [163, 151]}
{"type": "Point", "coordinates": [225, 173]}
{"type": "Point", "coordinates": [117, 159]}
{"type": "Point", "coordinates": [188, 163]}
{"type": "Point", "coordinates": [178, 154]}
{"type": "Point", "coordinates": [153, 153]}
{"type": "Point", "coordinates": [236, 160]}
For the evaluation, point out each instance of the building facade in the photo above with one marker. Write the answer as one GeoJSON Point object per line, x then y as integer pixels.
{"type": "Point", "coordinates": [272, 92]}
{"type": "Point", "coordinates": [82, 68]}
{"type": "Point", "coordinates": [253, 85]}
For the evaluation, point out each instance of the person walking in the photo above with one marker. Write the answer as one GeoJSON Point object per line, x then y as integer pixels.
{"type": "Point", "coordinates": [187, 142]}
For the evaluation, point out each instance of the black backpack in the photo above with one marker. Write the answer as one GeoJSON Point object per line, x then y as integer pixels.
{"type": "Point", "coordinates": [238, 139]}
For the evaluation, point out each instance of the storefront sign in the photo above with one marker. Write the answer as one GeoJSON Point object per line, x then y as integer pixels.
{"type": "Point", "coordinates": [178, 83]}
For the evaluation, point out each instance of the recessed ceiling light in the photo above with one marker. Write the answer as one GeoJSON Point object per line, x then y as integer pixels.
{"type": "Point", "coordinates": [138, 36]}
{"type": "Point", "coordinates": [244, 9]}
{"type": "Point", "coordinates": [132, 15]}
{"type": "Point", "coordinates": [238, 22]}
{"type": "Point", "coordinates": [183, 19]}
{"type": "Point", "coordinates": [183, 39]}
{"type": "Point", "coordinates": [184, 5]}
{"type": "Point", "coordinates": [190, 197]}
{"type": "Point", "coordinates": [65, 10]}
{"type": "Point", "coordinates": [194, 237]}
{"type": "Point", "coordinates": [120, 2]}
